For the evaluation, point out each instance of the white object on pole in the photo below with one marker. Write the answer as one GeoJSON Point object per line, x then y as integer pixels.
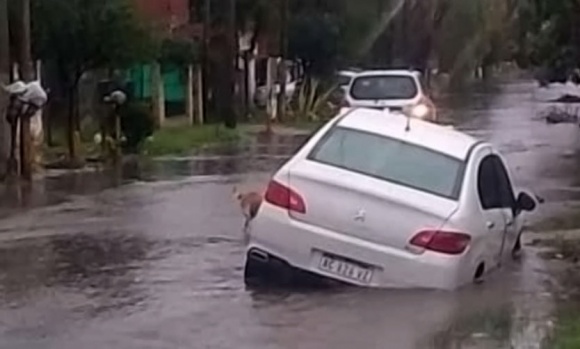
{"type": "Point", "coordinates": [15, 88]}
{"type": "Point", "coordinates": [34, 94]}
{"type": "Point", "coordinates": [117, 97]}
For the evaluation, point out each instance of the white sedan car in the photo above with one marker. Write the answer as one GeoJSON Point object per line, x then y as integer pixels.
{"type": "Point", "coordinates": [388, 202]}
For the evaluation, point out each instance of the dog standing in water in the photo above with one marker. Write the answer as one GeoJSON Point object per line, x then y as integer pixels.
{"type": "Point", "coordinates": [250, 203]}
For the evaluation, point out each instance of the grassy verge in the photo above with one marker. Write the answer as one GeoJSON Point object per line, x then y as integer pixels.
{"type": "Point", "coordinates": [567, 332]}
{"type": "Point", "coordinates": [181, 140]}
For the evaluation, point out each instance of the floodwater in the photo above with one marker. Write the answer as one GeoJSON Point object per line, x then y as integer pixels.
{"type": "Point", "coordinates": [155, 259]}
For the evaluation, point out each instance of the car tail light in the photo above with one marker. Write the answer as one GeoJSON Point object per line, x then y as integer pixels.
{"type": "Point", "coordinates": [446, 242]}
{"type": "Point", "coordinates": [282, 196]}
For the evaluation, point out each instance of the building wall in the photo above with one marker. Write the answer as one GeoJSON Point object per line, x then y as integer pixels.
{"type": "Point", "coordinates": [175, 12]}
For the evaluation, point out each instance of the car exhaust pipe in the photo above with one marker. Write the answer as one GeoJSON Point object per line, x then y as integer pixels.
{"type": "Point", "coordinates": [258, 255]}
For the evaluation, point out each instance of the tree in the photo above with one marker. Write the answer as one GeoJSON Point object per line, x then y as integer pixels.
{"type": "Point", "coordinates": [550, 38]}
{"type": "Point", "coordinates": [77, 36]}
{"type": "Point", "coordinates": [179, 52]}
{"type": "Point", "coordinates": [314, 32]}
{"type": "Point", "coordinates": [4, 79]}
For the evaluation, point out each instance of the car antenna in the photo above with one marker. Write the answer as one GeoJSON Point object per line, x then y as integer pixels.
{"type": "Point", "coordinates": [408, 126]}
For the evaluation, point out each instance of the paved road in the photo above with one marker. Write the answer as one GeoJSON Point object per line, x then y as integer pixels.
{"type": "Point", "coordinates": [155, 261]}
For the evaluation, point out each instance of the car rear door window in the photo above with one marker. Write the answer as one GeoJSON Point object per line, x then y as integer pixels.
{"type": "Point", "coordinates": [504, 188]}
{"type": "Point", "coordinates": [391, 160]}
{"type": "Point", "coordinates": [487, 184]}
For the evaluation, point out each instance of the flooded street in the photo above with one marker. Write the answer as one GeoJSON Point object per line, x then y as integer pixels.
{"type": "Point", "coordinates": [156, 260]}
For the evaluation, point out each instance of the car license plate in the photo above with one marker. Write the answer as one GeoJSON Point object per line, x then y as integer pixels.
{"type": "Point", "coordinates": [346, 269]}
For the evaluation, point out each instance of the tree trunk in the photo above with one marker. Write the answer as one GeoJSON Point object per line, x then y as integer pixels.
{"type": "Point", "coordinates": [27, 74]}
{"type": "Point", "coordinates": [282, 69]}
{"type": "Point", "coordinates": [228, 83]}
{"type": "Point", "coordinates": [4, 79]}
{"type": "Point", "coordinates": [205, 58]}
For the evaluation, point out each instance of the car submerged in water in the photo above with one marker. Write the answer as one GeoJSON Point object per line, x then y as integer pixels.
{"type": "Point", "coordinates": [390, 202]}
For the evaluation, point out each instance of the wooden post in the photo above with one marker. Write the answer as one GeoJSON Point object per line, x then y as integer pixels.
{"type": "Point", "coordinates": [189, 105]}
{"type": "Point", "coordinates": [158, 94]}
{"type": "Point", "coordinates": [37, 128]}
{"type": "Point", "coordinates": [282, 69]}
{"type": "Point", "coordinates": [117, 153]}
{"type": "Point", "coordinates": [199, 95]}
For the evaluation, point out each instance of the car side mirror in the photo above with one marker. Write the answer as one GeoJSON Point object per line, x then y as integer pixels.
{"type": "Point", "coordinates": [525, 202]}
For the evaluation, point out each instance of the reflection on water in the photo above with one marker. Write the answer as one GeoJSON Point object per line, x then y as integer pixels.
{"type": "Point", "coordinates": [100, 267]}
{"type": "Point", "coordinates": [265, 154]}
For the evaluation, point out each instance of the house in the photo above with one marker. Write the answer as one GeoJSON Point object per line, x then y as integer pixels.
{"type": "Point", "coordinates": [168, 14]}
{"type": "Point", "coordinates": [171, 19]}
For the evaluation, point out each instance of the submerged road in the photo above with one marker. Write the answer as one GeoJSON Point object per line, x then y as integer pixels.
{"type": "Point", "coordinates": [156, 260]}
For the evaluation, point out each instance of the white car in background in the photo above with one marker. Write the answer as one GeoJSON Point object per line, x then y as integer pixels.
{"type": "Point", "coordinates": [395, 90]}
{"type": "Point", "coordinates": [391, 201]}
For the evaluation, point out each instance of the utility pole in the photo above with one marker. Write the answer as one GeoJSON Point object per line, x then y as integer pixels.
{"type": "Point", "coordinates": [282, 69]}
{"type": "Point", "coordinates": [27, 74]}
{"type": "Point", "coordinates": [4, 80]}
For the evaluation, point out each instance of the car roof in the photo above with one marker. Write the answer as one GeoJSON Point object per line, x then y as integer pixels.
{"type": "Point", "coordinates": [439, 138]}
{"type": "Point", "coordinates": [396, 72]}
{"type": "Point", "coordinates": [349, 73]}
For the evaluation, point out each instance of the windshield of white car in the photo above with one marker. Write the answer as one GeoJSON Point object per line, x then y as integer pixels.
{"type": "Point", "coordinates": [381, 87]}
{"type": "Point", "coordinates": [391, 160]}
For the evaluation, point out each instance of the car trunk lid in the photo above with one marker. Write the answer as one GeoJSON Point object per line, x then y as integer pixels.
{"type": "Point", "coordinates": [365, 207]}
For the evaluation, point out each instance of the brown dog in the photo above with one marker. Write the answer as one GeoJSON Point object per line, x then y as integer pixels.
{"type": "Point", "coordinates": [250, 203]}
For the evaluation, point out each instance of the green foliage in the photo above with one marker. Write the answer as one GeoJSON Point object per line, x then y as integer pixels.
{"type": "Point", "coordinates": [182, 140]}
{"type": "Point", "coordinates": [81, 35]}
{"type": "Point", "coordinates": [550, 38]}
{"type": "Point", "coordinates": [179, 52]}
{"type": "Point", "coordinates": [136, 125]}
{"type": "Point", "coordinates": [313, 102]}
{"type": "Point", "coordinates": [567, 334]}
{"type": "Point", "coordinates": [314, 39]}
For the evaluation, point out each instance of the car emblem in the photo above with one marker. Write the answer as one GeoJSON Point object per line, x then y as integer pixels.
{"type": "Point", "coordinates": [360, 216]}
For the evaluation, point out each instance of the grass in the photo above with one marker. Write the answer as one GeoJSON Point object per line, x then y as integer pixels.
{"type": "Point", "coordinates": [181, 140]}
{"type": "Point", "coordinates": [567, 333]}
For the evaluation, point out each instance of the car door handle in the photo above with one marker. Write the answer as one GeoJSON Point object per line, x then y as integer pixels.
{"type": "Point", "coordinates": [490, 225]}
{"type": "Point", "coordinates": [509, 223]}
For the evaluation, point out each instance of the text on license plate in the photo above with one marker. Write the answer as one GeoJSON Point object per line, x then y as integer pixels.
{"type": "Point", "coordinates": [345, 269]}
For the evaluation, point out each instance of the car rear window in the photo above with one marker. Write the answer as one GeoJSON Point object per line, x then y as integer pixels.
{"type": "Point", "coordinates": [381, 87]}
{"type": "Point", "coordinates": [391, 160]}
